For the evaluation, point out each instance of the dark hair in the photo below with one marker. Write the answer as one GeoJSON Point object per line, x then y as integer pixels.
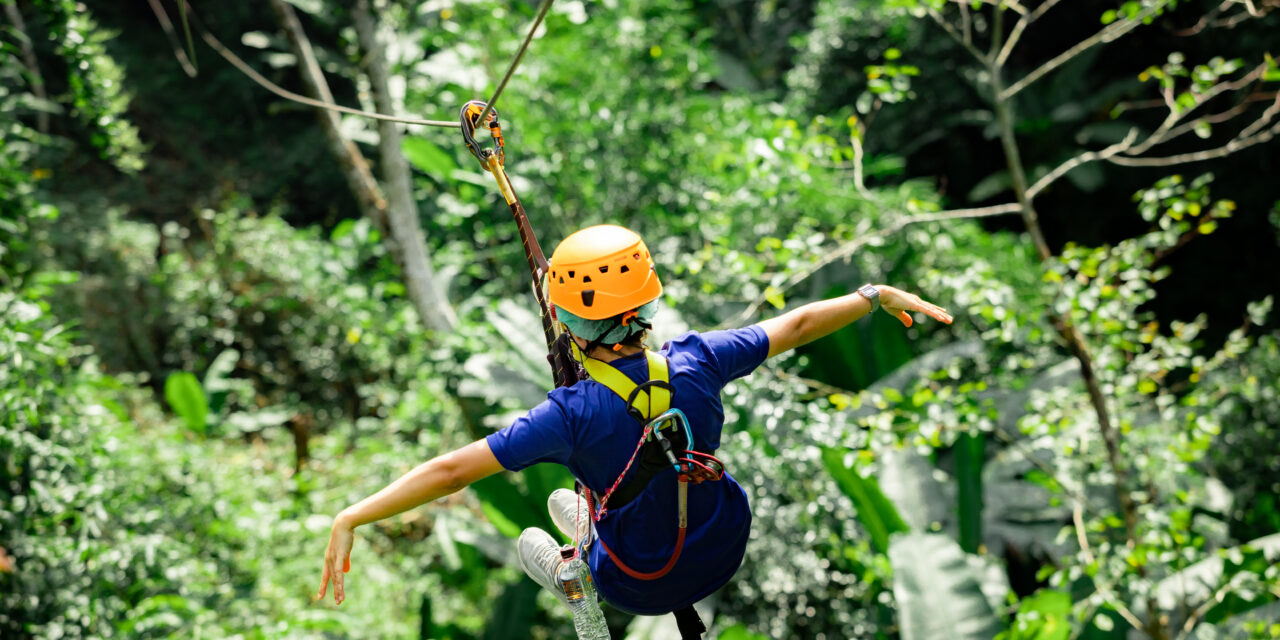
{"type": "Point", "coordinates": [636, 340]}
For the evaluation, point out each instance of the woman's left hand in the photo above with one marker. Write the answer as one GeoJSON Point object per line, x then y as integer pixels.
{"type": "Point", "coordinates": [337, 559]}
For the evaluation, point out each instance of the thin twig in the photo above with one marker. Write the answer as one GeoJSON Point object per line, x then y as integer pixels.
{"type": "Point", "coordinates": [1217, 118]}
{"type": "Point", "coordinates": [951, 31]}
{"type": "Point", "coordinates": [847, 249]}
{"type": "Point", "coordinates": [1236, 144]}
{"type": "Point", "coordinates": [244, 68]}
{"type": "Point", "coordinates": [167, 26]}
{"type": "Point", "coordinates": [1089, 156]}
{"type": "Point", "coordinates": [1204, 608]}
{"type": "Point", "coordinates": [1105, 35]}
{"type": "Point", "coordinates": [858, 179]}
{"type": "Point", "coordinates": [1204, 21]}
{"type": "Point", "coordinates": [1022, 24]}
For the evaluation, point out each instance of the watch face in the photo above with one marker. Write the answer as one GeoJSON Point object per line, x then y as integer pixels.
{"type": "Point", "coordinates": [869, 291]}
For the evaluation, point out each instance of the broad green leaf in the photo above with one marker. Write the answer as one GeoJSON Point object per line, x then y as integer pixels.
{"type": "Point", "coordinates": [429, 158]}
{"type": "Point", "coordinates": [183, 393]}
{"type": "Point", "coordinates": [774, 296]}
{"type": "Point", "coordinates": [938, 592]}
{"type": "Point", "coordinates": [876, 513]}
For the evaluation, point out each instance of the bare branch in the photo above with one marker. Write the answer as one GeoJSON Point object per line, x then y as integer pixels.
{"type": "Point", "coordinates": [1236, 144]}
{"type": "Point", "coordinates": [328, 104]}
{"type": "Point", "coordinates": [1263, 120]}
{"type": "Point", "coordinates": [1089, 156]}
{"type": "Point", "coordinates": [1108, 34]}
{"type": "Point", "coordinates": [847, 249]}
{"type": "Point", "coordinates": [998, 4]}
{"type": "Point", "coordinates": [1205, 20]}
{"type": "Point", "coordinates": [1194, 618]}
{"type": "Point", "coordinates": [1139, 104]}
{"type": "Point", "coordinates": [169, 33]}
{"type": "Point", "coordinates": [1022, 24]}
{"type": "Point", "coordinates": [858, 180]}
{"type": "Point", "coordinates": [955, 35]}
{"type": "Point", "coordinates": [1217, 118]}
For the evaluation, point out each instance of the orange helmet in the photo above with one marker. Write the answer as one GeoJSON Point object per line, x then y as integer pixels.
{"type": "Point", "coordinates": [602, 271]}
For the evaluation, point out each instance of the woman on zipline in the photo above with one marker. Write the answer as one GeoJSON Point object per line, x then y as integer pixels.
{"type": "Point", "coordinates": [661, 527]}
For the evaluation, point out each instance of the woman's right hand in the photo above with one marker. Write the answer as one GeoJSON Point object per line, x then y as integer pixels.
{"type": "Point", "coordinates": [337, 559]}
{"type": "Point", "coordinates": [899, 303]}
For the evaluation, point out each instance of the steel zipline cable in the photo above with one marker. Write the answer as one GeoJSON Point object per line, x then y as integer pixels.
{"type": "Point", "coordinates": [258, 78]}
{"type": "Point", "coordinates": [515, 62]}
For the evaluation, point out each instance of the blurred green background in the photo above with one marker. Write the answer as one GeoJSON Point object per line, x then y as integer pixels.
{"type": "Point", "coordinates": [209, 346]}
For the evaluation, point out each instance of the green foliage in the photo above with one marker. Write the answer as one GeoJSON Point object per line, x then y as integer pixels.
{"type": "Point", "coordinates": [183, 393]}
{"type": "Point", "coordinates": [264, 368]}
{"type": "Point", "coordinates": [1045, 615]}
{"type": "Point", "coordinates": [875, 512]}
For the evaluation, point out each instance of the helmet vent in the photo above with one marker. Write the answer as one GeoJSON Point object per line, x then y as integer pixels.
{"type": "Point", "coordinates": [561, 280]}
{"type": "Point", "coordinates": [624, 269]}
{"type": "Point", "coordinates": [571, 274]}
{"type": "Point", "coordinates": [586, 279]}
{"type": "Point", "coordinates": [604, 268]}
{"type": "Point", "coordinates": [588, 297]}
{"type": "Point", "coordinates": [636, 255]}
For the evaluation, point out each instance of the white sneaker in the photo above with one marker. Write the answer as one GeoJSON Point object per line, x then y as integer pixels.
{"type": "Point", "coordinates": [568, 511]}
{"type": "Point", "coordinates": [539, 555]}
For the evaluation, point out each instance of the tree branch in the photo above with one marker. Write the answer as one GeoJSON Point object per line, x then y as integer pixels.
{"type": "Point", "coordinates": [847, 249]}
{"type": "Point", "coordinates": [1022, 24]}
{"type": "Point", "coordinates": [955, 35]}
{"type": "Point", "coordinates": [1204, 21]}
{"type": "Point", "coordinates": [1107, 34]}
{"type": "Point", "coordinates": [1089, 156]}
{"type": "Point", "coordinates": [167, 26]}
{"type": "Point", "coordinates": [422, 283]}
{"type": "Point", "coordinates": [1204, 608]}
{"type": "Point", "coordinates": [1236, 144]}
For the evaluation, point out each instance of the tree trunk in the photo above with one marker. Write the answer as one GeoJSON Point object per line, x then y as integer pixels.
{"type": "Point", "coordinates": [435, 313]}
{"type": "Point", "coordinates": [424, 288]}
{"type": "Point", "coordinates": [1074, 339]}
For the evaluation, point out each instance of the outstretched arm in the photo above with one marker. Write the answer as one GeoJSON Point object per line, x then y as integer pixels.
{"type": "Point", "coordinates": [803, 325]}
{"type": "Point", "coordinates": [430, 480]}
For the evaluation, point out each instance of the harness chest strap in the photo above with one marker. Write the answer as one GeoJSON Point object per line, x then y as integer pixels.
{"type": "Point", "coordinates": [650, 402]}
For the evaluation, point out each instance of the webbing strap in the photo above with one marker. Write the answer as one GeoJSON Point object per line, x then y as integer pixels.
{"type": "Point", "coordinates": [689, 623]}
{"type": "Point", "coordinates": [652, 401]}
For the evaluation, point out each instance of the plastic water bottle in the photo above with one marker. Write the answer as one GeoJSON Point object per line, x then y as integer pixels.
{"type": "Point", "coordinates": [575, 581]}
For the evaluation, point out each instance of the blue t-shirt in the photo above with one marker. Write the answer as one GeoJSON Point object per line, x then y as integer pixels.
{"type": "Point", "coordinates": [586, 428]}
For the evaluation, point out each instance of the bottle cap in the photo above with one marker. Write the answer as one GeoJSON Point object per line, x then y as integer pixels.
{"type": "Point", "coordinates": [567, 552]}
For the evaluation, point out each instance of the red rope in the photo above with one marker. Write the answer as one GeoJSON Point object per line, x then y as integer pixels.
{"type": "Point", "coordinates": [652, 575]}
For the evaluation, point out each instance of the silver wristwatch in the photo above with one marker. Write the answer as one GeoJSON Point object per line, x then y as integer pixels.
{"type": "Point", "coordinates": [872, 294]}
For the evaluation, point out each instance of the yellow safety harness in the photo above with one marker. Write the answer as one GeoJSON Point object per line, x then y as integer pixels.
{"type": "Point", "coordinates": [649, 403]}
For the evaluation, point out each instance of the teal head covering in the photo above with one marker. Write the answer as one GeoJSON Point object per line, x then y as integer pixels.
{"type": "Point", "coordinates": [606, 331]}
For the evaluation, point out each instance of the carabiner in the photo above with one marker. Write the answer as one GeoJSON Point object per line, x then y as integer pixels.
{"type": "Point", "coordinates": [470, 120]}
